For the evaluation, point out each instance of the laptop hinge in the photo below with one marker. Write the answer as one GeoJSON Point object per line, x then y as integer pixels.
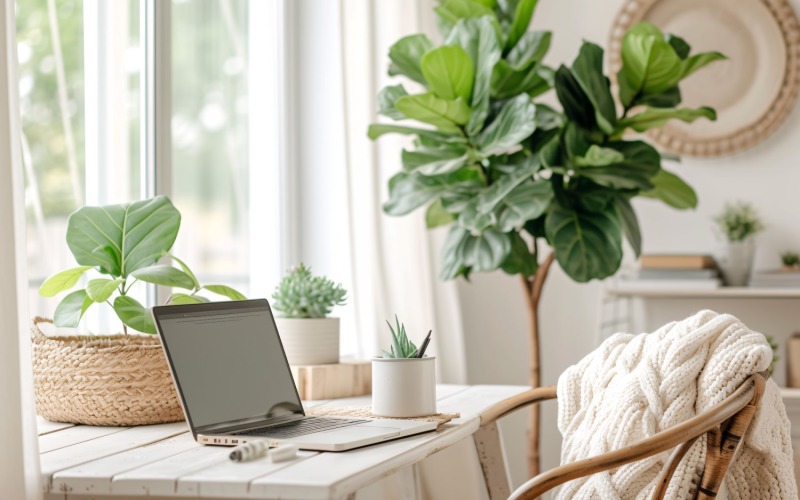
{"type": "Point", "coordinates": [236, 426]}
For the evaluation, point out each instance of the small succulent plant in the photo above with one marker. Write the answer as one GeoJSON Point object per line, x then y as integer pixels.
{"type": "Point", "coordinates": [790, 259]}
{"type": "Point", "coordinates": [401, 346]}
{"type": "Point", "coordinates": [303, 295]}
{"type": "Point", "coordinates": [738, 221]}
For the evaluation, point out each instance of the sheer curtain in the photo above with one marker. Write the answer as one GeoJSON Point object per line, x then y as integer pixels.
{"type": "Point", "coordinates": [19, 457]}
{"type": "Point", "coordinates": [394, 261]}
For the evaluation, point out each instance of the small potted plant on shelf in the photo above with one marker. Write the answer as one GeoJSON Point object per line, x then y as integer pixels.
{"type": "Point", "coordinates": [739, 223]}
{"type": "Point", "coordinates": [113, 379]}
{"type": "Point", "coordinates": [403, 378]}
{"type": "Point", "coordinates": [304, 302]}
{"type": "Point", "coordinates": [790, 261]}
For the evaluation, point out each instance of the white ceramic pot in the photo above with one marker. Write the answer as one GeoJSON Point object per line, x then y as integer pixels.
{"type": "Point", "coordinates": [310, 341]}
{"type": "Point", "coordinates": [737, 262]}
{"type": "Point", "coordinates": [403, 387]}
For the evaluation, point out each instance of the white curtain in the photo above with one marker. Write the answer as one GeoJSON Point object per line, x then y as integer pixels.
{"type": "Point", "coordinates": [19, 456]}
{"type": "Point", "coordinates": [394, 261]}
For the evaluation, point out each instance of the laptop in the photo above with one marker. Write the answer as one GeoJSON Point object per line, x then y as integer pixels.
{"type": "Point", "coordinates": [235, 384]}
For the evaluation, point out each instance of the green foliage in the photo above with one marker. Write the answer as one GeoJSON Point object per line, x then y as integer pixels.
{"type": "Point", "coordinates": [790, 259]}
{"type": "Point", "coordinates": [775, 357]}
{"type": "Point", "coordinates": [303, 295]}
{"type": "Point", "coordinates": [738, 221]}
{"type": "Point", "coordinates": [401, 347]}
{"type": "Point", "coordinates": [123, 243]}
{"type": "Point", "coordinates": [504, 171]}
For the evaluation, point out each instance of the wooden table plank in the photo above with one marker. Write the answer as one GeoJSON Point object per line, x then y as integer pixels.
{"type": "Point", "coordinates": [161, 477]}
{"type": "Point", "coordinates": [95, 477]}
{"type": "Point", "coordinates": [86, 451]}
{"type": "Point", "coordinates": [228, 479]}
{"type": "Point", "coordinates": [45, 426]}
{"type": "Point", "coordinates": [74, 435]}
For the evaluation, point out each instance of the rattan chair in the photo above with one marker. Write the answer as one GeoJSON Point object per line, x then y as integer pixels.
{"type": "Point", "coordinates": [726, 424]}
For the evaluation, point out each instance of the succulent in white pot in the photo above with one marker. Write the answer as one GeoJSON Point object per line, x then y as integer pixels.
{"type": "Point", "coordinates": [303, 302]}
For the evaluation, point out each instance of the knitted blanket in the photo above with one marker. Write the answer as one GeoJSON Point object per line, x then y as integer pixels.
{"type": "Point", "coordinates": [634, 386]}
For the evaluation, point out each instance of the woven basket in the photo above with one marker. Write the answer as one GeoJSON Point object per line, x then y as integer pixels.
{"type": "Point", "coordinates": [102, 380]}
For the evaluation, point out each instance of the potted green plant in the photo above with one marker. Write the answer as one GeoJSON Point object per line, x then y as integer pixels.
{"type": "Point", "coordinates": [509, 174]}
{"type": "Point", "coordinates": [738, 222]}
{"type": "Point", "coordinates": [403, 378]}
{"type": "Point", "coordinates": [113, 379]}
{"type": "Point", "coordinates": [304, 302]}
{"type": "Point", "coordinates": [790, 261]}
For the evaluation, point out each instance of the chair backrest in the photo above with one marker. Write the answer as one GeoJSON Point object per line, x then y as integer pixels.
{"type": "Point", "coordinates": [725, 423]}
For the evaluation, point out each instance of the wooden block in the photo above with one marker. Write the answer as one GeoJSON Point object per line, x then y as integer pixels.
{"type": "Point", "coordinates": [793, 361]}
{"type": "Point", "coordinates": [346, 379]}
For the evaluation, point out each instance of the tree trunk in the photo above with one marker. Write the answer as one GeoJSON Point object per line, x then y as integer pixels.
{"type": "Point", "coordinates": [533, 292]}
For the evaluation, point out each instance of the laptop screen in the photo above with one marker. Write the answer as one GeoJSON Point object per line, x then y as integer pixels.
{"type": "Point", "coordinates": [228, 361]}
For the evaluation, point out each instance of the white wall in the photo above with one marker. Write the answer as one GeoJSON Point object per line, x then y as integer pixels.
{"type": "Point", "coordinates": [493, 310]}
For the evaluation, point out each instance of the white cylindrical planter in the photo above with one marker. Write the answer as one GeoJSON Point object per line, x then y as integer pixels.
{"type": "Point", "coordinates": [403, 387]}
{"type": "Point", "coordinates": [737, 261]}
{"type": "Point", "coordinates": [310, 341]}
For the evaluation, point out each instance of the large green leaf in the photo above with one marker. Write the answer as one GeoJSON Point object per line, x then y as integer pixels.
{"type": "Point", "coordinates": [486, 251]}
{"type": "Point", "coordinates": [522, 18]}
{"type": "Point", "coordinates": [492, 195]}
{"type": "Point", "coordinates": [588, 71]}
{"type": "Point", "coordinates": [525, 202]}
{"type": "Point", "coordinates": [649, 63]}
{"type": "Point", "coordinates": [436, 215]}
{"type": "Point", "coordinates": [99, 290]}
{"type": "Point", "coordinates": [508, 82]}
{"type": "Point", "coordinates": [519, 260]}
{"type": "Point", "coordinates": [452, 265]}
{"type": "Point", "coordinates": [697, 61]}
{"type": "Point", "coordinates": [512, 125]}
{"type": "Point", "coordinates": [405, 55]}
{"type": "Point", "coordinates": [454, 10]}
{"type": "Point", "coordinates": [134, 315]}
{"type": "Point", "coordinates": [641, 162]}
{"type": "Point", "coordinates": [386, 99]}
{"type": "Point", "coordinates": [186, 269]}
{"type": "Point", "coordinates": [410, 190]}
{"type": "Point", "coordinates": [435, 161]}
{"type": "Point", "coordinates": [588, 245]}
{"type": "Point", "coordinates": [630, 224]}
{"type": "Point", "coordinates": [164, 275]}
{"type": "Point", "coordinates": [656, 117]}
{"type": "Point", "coordinates": [530, 50]}
{"type": "Point", "coordinates": [598, 156]}
{"type": "Point", "coordinates": [182, 298]}
{"type": "Point", "coordinates": [444, 114]}
{"type": "Point", "coordinates": [139, 232]}
{"type": "Point", "coordinates": [474, 221]}
{"type": "Point", "coordinates": [672, 190]}
{"type": "Point", "coordinates": [477, 37]}
{"type": "Point", "coordinates": [378, 129]}
{"type": "Point", "coordinates": [573, 99]}
{"type": "Point", "coordinates": [225, 291]}
{"type": "Point", "coordinates": [449, 71]}
{"type": "Point", "coordinates": [62, 281]}
{"type": "Point", "coordinates": [71, 309]}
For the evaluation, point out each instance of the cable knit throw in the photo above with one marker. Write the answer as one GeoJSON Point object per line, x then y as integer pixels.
{"type": "Point", "coordinates": [634, 386]}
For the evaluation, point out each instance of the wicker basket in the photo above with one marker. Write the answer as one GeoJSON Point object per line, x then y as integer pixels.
{"type": "Point", "coordinates": [102, 380]}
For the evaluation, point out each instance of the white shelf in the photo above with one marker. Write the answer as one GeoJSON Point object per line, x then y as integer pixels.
{"type": "Point", "coordinates": [790, 393]}
{"type": "Point", "coordinates": [739, 292]}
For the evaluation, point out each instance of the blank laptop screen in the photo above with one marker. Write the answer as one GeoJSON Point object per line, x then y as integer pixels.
{"type": "Point", "coordinates": [228, 361]}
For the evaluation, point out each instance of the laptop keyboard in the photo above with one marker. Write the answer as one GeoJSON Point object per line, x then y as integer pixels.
{"type": "Point", "coordinates": [308, 425]}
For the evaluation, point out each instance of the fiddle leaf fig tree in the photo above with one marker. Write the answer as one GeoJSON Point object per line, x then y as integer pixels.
{"type": "Point", "coordinates": [122, 245]}
{"type": "Point", "coordinates": [508, 173]}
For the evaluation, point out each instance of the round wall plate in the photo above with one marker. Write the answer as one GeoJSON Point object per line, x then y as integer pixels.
{"type": "Point", "coordinates": [753, 91]}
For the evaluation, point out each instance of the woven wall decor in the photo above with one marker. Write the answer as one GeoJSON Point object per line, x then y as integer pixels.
{"type": "Point", "coordinates": [753, 91]}
{"type": "Point", "coordinates": [102, 380]}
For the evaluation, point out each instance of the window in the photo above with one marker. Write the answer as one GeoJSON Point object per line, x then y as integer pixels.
{"type": "Point", "coordinates": [90, 71]}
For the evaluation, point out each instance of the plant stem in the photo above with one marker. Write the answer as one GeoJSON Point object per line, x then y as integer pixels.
{"type": "Point", "coordinates": [533, 292]}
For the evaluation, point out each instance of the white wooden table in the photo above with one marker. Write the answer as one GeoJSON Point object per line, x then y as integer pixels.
{"type": "Point", "coordinates": [83, 462]}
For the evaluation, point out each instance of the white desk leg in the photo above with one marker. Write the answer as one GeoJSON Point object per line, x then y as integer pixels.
{"type": "Point", "coordinates": [492, 458]}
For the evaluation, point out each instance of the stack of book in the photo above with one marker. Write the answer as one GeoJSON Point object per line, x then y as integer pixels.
{"type": "Point", "coordinates": [775, 279]}
{"type": "Point", "coordinates": [676, 271]}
